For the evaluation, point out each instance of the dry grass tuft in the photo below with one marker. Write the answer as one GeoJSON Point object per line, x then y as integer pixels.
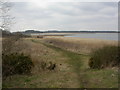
{"type": "Point", "coordinates": [82, 46]}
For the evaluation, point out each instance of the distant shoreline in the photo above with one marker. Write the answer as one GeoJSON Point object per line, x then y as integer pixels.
{"type": "Point", "coordinates": [56, 31]}
{"type": "Point", "coordinates": [104, 36]}
{"type": "Point", "coordinates": [63, 34]}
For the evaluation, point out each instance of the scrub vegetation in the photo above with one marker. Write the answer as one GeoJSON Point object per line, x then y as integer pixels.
{"type": "Point", "coordinates": [62, 63]}
{"type": "Point", "coordinates": [107, 56]}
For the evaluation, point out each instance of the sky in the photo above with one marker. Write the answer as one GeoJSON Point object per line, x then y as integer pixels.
{"type": "Point", "coordinates": [67, 16]}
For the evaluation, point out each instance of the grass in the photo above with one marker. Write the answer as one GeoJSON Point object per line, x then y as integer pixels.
{"type": "Point", "coordinates": [107, 56]}
{"type": "Point", "coordinates": [44, 79]}
{"type": "Point", "coordinates": [87, 78]}
{"type": "Point", "coordinates": [73, 59]}
{"type": "Point", "coordinates": [72, 69]}
{"type": "Point", "coordinates": [81, 46]}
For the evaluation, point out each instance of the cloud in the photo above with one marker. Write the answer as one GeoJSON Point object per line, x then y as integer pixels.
{"type": "Point", "coordinates": [65, 15]}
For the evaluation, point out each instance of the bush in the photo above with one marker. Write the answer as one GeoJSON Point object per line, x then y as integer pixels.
{"type": "Point", "coordinates": [104, 57]}
{"type": "Point", "coordinates": [16, 64]}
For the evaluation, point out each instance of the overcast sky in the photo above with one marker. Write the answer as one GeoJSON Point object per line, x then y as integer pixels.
{"type": "Point", "coordinates": [65, 16]}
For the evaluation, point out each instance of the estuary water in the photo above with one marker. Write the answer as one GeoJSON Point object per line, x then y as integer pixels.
{"type": "Point", "coordinates": [104, 36]}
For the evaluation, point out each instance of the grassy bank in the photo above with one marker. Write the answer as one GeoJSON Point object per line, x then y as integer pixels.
{"type": "Point", "coordinates": [58, 78]}
{"type": "Point", "coordinates": [73, 59]}
{"type": "Point", "coordinates": [87, 77]}
{"type": "Point", "coordinates": [72, 69]}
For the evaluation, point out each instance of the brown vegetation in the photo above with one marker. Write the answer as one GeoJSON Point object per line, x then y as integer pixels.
{"type": "Point", "coordinates": [56, 67]}
{"type": "Point", "coordinates": [82, 46]}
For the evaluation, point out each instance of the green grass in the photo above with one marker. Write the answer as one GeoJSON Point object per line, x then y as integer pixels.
{"type": "Point", "coordinates": [75, 60]}
{"type": "Point", "coordinates": [78, 63]}
{"type": "Point", "coordinates": [46, 79]}
{"type": "Point", "coordinates": [105, 57]}
{"type": "Point", "coordinates": [18, 81]}
{"type": "Point", "coordinates": [102, 78]}
{"type": "Point", "coordinates": [89, 78]}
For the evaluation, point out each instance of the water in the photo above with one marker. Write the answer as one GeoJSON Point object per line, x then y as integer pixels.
{"type": "Point", "coordinates": [104, 36]}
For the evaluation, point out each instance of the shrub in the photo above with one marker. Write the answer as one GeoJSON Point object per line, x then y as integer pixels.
{"type": "Point", "coordinates": [104, 57]}
{"type": "Point", "coordinates": [16, 64]}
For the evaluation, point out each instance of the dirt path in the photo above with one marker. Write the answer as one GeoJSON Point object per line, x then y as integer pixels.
{"type": "Point", "coordinates": [86, 77]}
{"type": "Point", "coordinates": [63, 76]}
{"type": "Point", "coordinates": [76, 62]}
{"type": "Point", "coordinates": [76, 66]}
{"type": "Point", "coordinates": [65, 65]}
{"type": "Point", "coordinates": [71, 70]}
